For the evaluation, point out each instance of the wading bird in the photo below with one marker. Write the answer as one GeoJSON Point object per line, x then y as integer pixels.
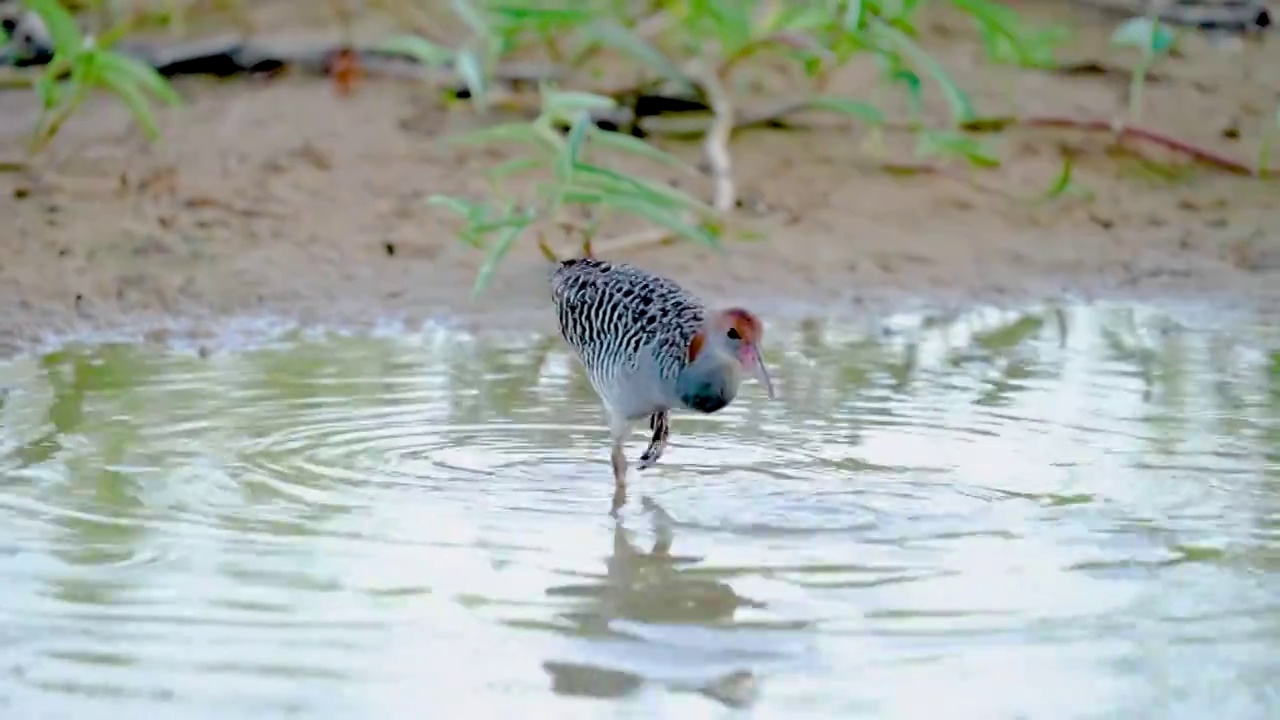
{"type": "Point", "coordinates": [648, 347]}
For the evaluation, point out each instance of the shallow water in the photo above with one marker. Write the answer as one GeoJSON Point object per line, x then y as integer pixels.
{"type": "Point", "coordinates": [1060, 513]}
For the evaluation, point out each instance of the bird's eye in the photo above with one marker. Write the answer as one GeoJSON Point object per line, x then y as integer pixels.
{"type": "Point", "coordinates": [733, 334]}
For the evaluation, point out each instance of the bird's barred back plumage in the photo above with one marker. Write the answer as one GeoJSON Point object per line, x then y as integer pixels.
{"type": "Point", "coordinates": [609, 312]}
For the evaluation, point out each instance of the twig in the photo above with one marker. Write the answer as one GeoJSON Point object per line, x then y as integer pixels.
{"type": "Point", "coordinates": [1199, 154]}
{"type": "Point", "coordinates": [716, 145]}
{"type": "Point", "coordinates": [651, 236]}
{"type": "Point", "coordinates": [17, 78]}
{"type": "Point", "coordinates": [776, 114]}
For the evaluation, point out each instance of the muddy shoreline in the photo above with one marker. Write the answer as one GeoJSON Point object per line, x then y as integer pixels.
{"type": "Point", "coordinates": [279, 199]}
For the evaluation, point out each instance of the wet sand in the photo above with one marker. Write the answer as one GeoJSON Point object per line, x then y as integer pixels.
{"type": "Point", "coordinates": [280, 198]}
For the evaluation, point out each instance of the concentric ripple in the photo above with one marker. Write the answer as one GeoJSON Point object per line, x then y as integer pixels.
{"type": "Point", "coordinates": [1061, 512]}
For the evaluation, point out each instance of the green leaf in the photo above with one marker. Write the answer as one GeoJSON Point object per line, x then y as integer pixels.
{"type": "Point", "coordinates": [518, 132]}
{"type": "Point", "coordinates": [797, 18]}
{"type": "Point", "coordinates": [1001, 28]}
{"type": "Point", "coordinates": [846, 106]}
{"type": "Point", "coordinates": [516, 21]}
{"type": "Point", "coordinates": [467, 209]}
{"type": "Point", "coordinates": [509, 218]}
{"type": "Point", "coordinates": [131, 94]}
{"type": "Point", "coordinates": [565, 105]}
{"type": "Point", "coordinates": [853, 16]}
{"type": "Point", "coordinates": [611, 34]}
{"type": "Point", "coordinates": [512, 167]}
{"type": "Point", "coordinates": [636, 146]}
{"type": "Point", "coordinates": [663, 217]}
{"type": "Point", "coordinates": [108, 39]}
{"type": "Point", "coordinates": [961, 109]}
{"type": "Point", "coordinates": [896, 72]}
{"type": "Point", "coordinates": [656, 193]}
{"type": "Point", "coordinates": [499, 250]}
{"type": "Point", "coordinates": [83, 67]}
{"type": "Point", "coordinates": [540, 18]}
{"type": "Point", "coordinates": [575, 195]}
{"type": "Point", "coordinates": [955, 144]}
{"type": "Point", "coordinates": [1145, 34]}
{"type": "Point", "coordinates": [732, 22]}
{"type": "Point", "coordinates": [1062, 181]}
{"type": "Point", "coordinates": [49, 85]}
{"type": "Point", "coordinates": [568, 158]}
{"type": "Point", "coordinates": [136, 73]}
{"type": "Point", "coordinates": [63, 31]}
{"type": "Point", "coordinates": [419, 48]}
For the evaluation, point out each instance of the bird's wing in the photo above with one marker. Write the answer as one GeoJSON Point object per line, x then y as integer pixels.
{"type": "Point", "coordinates": [623, 308]}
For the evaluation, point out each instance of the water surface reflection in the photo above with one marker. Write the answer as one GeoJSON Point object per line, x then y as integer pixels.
{"type": "Point", "coordinates": [1064, 512]}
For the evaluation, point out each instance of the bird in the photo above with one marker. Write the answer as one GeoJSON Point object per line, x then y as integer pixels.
{"type": "Point", "coordinates": [648, 347]}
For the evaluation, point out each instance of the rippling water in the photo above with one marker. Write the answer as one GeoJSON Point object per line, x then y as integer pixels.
{"type": "Point", "coordinates": [1061, 513]}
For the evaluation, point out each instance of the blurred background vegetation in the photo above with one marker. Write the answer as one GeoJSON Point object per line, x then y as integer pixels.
{"type": "Point", "coordinates": [594, 78]}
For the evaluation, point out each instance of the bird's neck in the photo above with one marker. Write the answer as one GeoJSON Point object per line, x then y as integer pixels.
{"type": "Point", "coordinates": [709, 382]}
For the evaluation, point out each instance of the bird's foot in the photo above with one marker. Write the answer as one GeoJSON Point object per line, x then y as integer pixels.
{"type": "Point", "coordinates": [651, 455]}
{"type": "Point", "coordinates": [658, 444]}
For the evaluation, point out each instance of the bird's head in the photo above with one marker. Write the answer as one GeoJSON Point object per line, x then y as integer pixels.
{"type": "Point", "coordinates": [737, 333]}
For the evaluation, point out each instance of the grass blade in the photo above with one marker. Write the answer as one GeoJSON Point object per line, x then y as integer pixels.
{"type": "Point", "coordinates": [499, 250]}
{"type": "Point", "coordinates": [514, 167]}
{"type": "Point", "coordinates": [656, 193]}
{"type": "Point", "coordinates": [846, 106]}
{"type": "Point", "coordinates": [1002, 22]}
{"type": "Point", "coordinates": [467, 209]}
{"type": "Point", "coordinates": [611, 34]}
{"type": "Point", "coordinates": [565, 105]}
{"type": "Point", "coordinates": [961, 109]}
{"type": "Point", "coordinates": [662, 218]}
{"type": "Point", "coordinates": [419, 48]}
{"type": "Point", "coordinates": [731, 20]}
{"type": "Point", "coordinates": [138, 74]}
{"type": "Point", "coordinates": [517, 132]}
{"type": "Point", "coordinates": [1062, 182]}
{"type": "Point", "coordinates": [62, 27]}
{"type": "Point", "coordinates": [636, 146]}
{"type": "Point", "coordinates": [568, 158]}
{"type": "Point", "coordinates": [131, 94]}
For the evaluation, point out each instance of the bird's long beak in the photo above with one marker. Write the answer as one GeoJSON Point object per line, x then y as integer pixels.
{"type": "Point", "coordinates": [756, 363]}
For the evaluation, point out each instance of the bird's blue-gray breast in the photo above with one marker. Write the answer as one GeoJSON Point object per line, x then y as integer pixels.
{"type": "Point", "coordinates": [706, 398]}
{"type": "Point", "coordinates": [707, 386]}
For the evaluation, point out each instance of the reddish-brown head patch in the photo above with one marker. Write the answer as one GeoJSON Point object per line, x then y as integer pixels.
{"type": "Point", "coordinates": [745, 322]}
{"type": "Point", "coordinates": [748, 326]}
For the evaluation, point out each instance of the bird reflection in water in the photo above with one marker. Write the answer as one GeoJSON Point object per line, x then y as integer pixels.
{"type": "Point", "coordinates": [653, 588]}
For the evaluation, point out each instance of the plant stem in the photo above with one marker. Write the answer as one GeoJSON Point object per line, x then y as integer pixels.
{"type": "Point", "coordinates": [46, 131]}
{"type": "Point", "coordinates": [716, 145]}
{"type": "Point", "coordinates": [1136, 80]}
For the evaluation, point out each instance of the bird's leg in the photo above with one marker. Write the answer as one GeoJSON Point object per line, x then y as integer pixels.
{"type": "Point", "coordinates": [659, 422]}
{"type": "Point", "coordinates": [618, 435]}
